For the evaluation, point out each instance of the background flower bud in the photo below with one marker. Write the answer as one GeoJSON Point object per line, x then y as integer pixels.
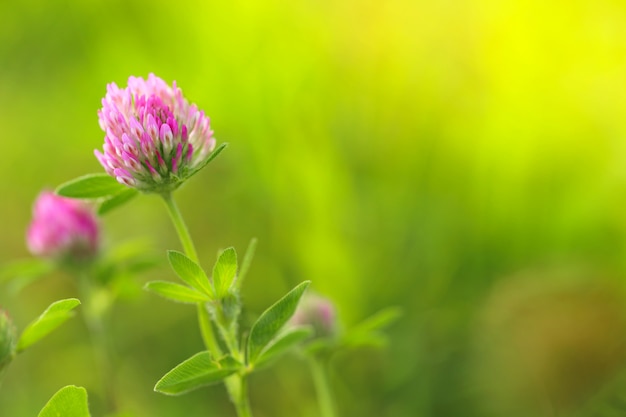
{"type": "Point", "coordinates": [8, 339]}
{"type": "Point", "coordinates": [63, 229]}
{"type": "Point", "coordinates": [318, 312]}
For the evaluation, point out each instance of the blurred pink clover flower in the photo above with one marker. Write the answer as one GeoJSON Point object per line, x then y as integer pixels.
{"type": "Point", "coordinates": [318, 312]}
{"type": "Point", "coordinates": [63, 228]}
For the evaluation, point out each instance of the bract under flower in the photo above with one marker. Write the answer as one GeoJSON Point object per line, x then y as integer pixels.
{"type": "Point", "coordinates": [63, 228]}
{"type": "Point", "coordinates": [154, 138]}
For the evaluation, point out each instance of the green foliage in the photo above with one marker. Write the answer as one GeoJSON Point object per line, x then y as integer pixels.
{"type": "Point", "coordinates": [23, 272]}
{"type": "Point", "coordinates": [247, 260]}
{"type": "Point", "coordinates": [272, 320]}
{"type": "Point", "coordinates": [224, 271]}
{"type": "Point", "coordinates": [206, 329]}
{"type": "Point", "coordinates": [176, 292]}
{"type": "Point", "coordinates": [118, 267]}
{"type": "Point", "coordinates": [55, 315]}
{"type": "Point", "coordinates": [282, 343]}
{"type": "Point", "coordinates": [368, 331]}
{"type": "Point", "coordinates": [8, 338]}
{"type": "Point", "coordinates": [91, 186]}
{"type": "Point", "coordinates": [69, 401]}
{"type": "Point", "coordinates": [190, 272]}
{"type": "Point", "coordinates": [129, 251]}
{"type": "Point", "coordinates": [117, 200]}
{"type": "Point", "coordinates": [198, 371]}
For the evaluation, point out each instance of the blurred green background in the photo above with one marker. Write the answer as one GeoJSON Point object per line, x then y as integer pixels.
{"type": "Point", "coordinates": [407, 153]}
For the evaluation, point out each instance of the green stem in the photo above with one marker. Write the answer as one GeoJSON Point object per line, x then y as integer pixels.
{"type": "Point", "coordinates": [322, 387]}
{"type": "Point", "coordinates": [242, 405]}
{"type": "Point", "coordinates": [181, 227]}
{"type": "Point", "coordinates": [236, 385]}
{"type": "Point", "coordinates": [95, 321]}
{"type": "Point", "coordinates": [206, 329]}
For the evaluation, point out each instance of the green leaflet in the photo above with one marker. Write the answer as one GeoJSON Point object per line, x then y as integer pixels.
{"type": "Point", "coordinates": [91, 186]}
{"type": "Point", "coordinates": [117, 200]}
{"type": "Point", "coordinates": [224, 271]}
{"type": "Point", "coordinates": [272, 320]}
{"type": "Point", "coordinates": [55, 315]}
{"type": "Point", "coordinates": [283, 343]}
{"type": "Point", "coordinates": [190, 272]}
{"type": "Point", "coordinates": [198, 371]}
{"type": "Point", "coordinates": [69, 401]}
{"type": "Point", "coordinates": [176, 292]}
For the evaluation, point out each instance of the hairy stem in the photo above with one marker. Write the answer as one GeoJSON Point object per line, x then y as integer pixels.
{"type": "Point", "coordinates": [242, 405]}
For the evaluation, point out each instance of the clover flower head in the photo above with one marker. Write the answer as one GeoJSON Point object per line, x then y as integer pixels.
{"type": "Point", "coordinates": [318, 312]}
{"type": "Point", "coordinates": [8, 339]}
{"type": "Point", "coordinates": [63, 228]}
{"type": "Point", "coordinates": [154, 139]}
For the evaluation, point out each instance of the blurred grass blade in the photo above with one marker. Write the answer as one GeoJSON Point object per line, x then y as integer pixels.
{"type": "Point", "coordinates": [117, 200]}
{"type": "Point", "coordinates": [190, 272]}
{"type": "Point", "coordinates": [91, 186]}
{"type": "Point", "coordinates": [55, 315]}
{"type": "Point", "coordinates": [272, 320]}
{"type": "Point", "coordinates": [379, 320]}
{"type": "Point", "coordinates": [224, 271]}
{"type": "Point", "coordinates": [367, 332]}
{"type": "Point", "coordinates": [282, 343]}
{"type": "Point", "coordinates": [125, 260]}
{"type": "Point", "coordinates": [247, 260]}
{"type": "Point", "coordinates": [69, 401]}
{"type": "Point", "coordinates": [176, 292]}
{"type": "Point", "coordinates": [25, 268]}
{"type": "Point", "coordinates": [21, 273]}
{"type": "Point", "coordinates": [196, 372]}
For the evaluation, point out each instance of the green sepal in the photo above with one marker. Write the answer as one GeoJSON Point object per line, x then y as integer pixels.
{"type": "Point", "coordinates": [190, 272]}
{"type": "Point", "coordinates": [206, 162]}
{"type": "Point", "coordinates": [69, 401]}
{"type": "Point", "coordinates": [117, 200]}
{"type": "Point", "coordinates": [198, 371]}
{"type": "Point", "coordinates": [272, 320]}
{"type": "Point", "coordinates": [55, 315]}
{"type": "Point", "coordinates": [176, 292]}
{"type": "Point", "coordinates": [90, 186]}
{"type": "Point", "coordinates": [282, 343]}
{"type": "Point", "coordinates": [224, 271]}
